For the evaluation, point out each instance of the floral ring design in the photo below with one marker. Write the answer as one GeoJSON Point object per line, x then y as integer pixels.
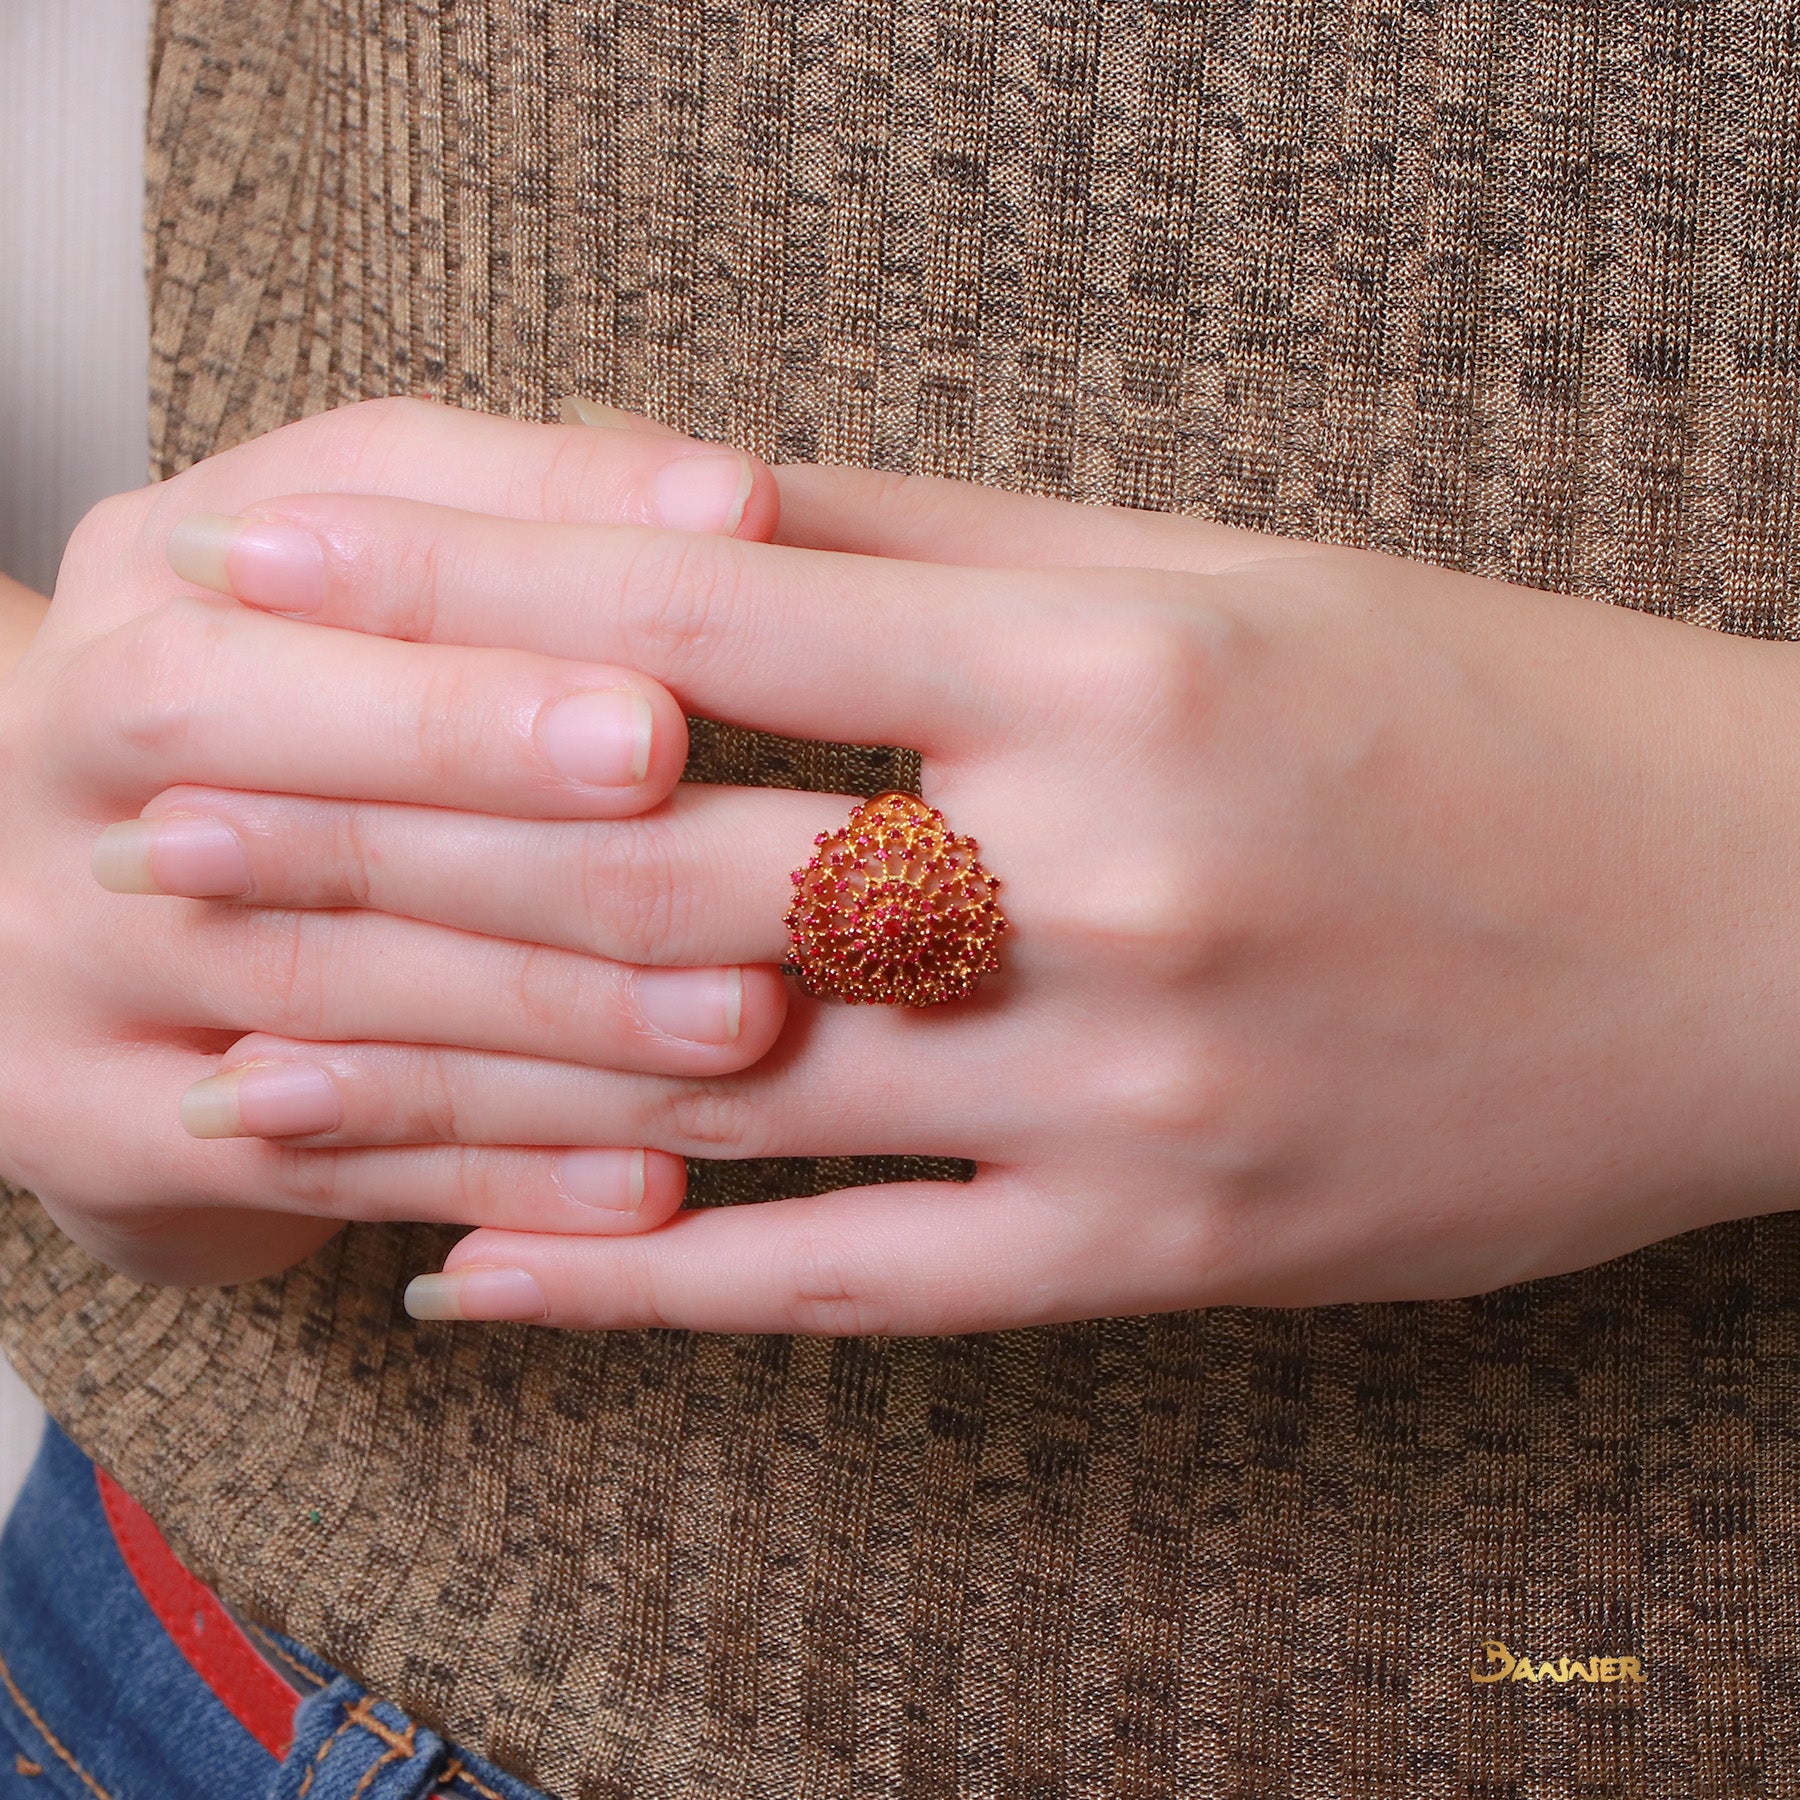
{"type": "Point", "coordinates": [894, 910]}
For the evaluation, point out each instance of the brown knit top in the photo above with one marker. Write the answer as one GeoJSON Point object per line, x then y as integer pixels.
{"type": "Point", "coordinates": [1511, 288]}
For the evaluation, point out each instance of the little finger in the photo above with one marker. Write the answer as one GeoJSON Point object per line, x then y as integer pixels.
{"type": "Point", "coordinates": [908, 1258]}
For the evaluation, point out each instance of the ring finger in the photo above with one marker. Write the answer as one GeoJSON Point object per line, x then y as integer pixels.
{"type": "Point", "coordinates": [821, 1100]}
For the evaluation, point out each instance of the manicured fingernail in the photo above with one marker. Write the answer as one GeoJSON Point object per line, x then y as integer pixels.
{"type": "Point", "coordinates": [601, 738]}
{"type": "Point", "coordinates": [577, 411]}
{"type": "Point", "coordinates": [574, 410]}
{"type": "Point", "coordinates": [610, 1179]}
{"type": "Point", "coordinates": [705, 1006]}
{"type": "Point", "coordinates": [200, 858]}
{"type": "Point", "coordinates": [476, 1293]}
{"type": "Point", "coordinates": [702, 493]}
{"type": "Point", "coordinates": [262, 1100]}
{"type": "Point", "coordinates": [279, 567]}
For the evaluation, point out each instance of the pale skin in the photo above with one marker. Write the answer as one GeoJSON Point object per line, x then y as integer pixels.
{"type": "Point", "coordinates": [1379, 932]}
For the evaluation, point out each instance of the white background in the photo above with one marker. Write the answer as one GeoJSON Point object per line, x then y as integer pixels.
{"type": "Point", "coordinates": [72, 328]}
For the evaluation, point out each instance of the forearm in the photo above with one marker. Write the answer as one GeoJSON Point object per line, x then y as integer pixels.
{"type": "Point", "coordinates": [21, 612]}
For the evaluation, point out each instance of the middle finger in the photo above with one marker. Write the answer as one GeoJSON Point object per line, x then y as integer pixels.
{"type": "Point", "coordinates": [817, 1099]}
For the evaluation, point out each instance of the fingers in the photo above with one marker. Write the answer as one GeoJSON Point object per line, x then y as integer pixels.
{"type": "Point", "coordinates": [923, 518]}
{"type": "Point", "coordinates": [131, 1140]}
{"type": "Point", "coordinates": [818, 1099]}
{"type": "Point", "coordinates": [920, 518]}
{"type": "Point", "coordinates": [202, 691]}
{"type": "Point", "coordinates": [367, 976]}
{"type": "Point", "coordinates": [579, 1190]}
{"type": "Point", "coordinates": [506, 467]}
{"type": "Point", "coordinates": [912, 1258]}
{"type": "Point", "coordinates": [789, 640]}
{"type": "Point", "coordinates": [575, 410]}
{"type": "Point", "coordinates": [437, 453]}
{"type": "Point", "coordinates": [702, 879]}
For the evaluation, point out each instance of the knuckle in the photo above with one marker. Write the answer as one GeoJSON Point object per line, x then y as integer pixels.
{"type": "Point", "coordinates": [408, 605]}
{"type": "Point", "coordinates": [468, 1182]}
{"type": "Point", "coordinates": [451, 717]}
{"type": "Point", "coordinates": [1158, 913]}
{"type": "Point", "coordinates": [1192, 1253]}
{"type": "Point", "coordinates": [141, 688]}
{"type": "Point", "coordinates": [435, 1105]}
{"type": "Point", "coordinates": [349, 856]}
{"type": "Point", "coordinates": [1158, 665]}
{"type": "Point", "coordinates": [106, 530]}
{"type": "Point", "coordinates": [312, 1179]}
{"type": "Point", "coordinates": [1174, 1092]}
{"type": "Point", "coordinates": [579, 466]}
{"type": "Point", "coordinates": [1169, 920]}
{"type": "Point", "coordinates": [709, 1116]}
{"type": "Point", "coordinates": [358, 443]}
{"type": "Point", "coordinates": [632, 900]}
{"type": "Point", "coordinates": [674, 596]}
{"type": "Point", "coordinates": [826, 1291]}
{"type": "Point", "coordinates": [546, 990]}
{"type": "Point", "coordinates": [283, 957]}
{"type": "Point", "coordinates": [635, 1292]}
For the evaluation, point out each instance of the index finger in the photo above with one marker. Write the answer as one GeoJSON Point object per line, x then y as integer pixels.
{"type": "Point", "coordinates": [442, 454]}
{"type": "Point", "coordinates": [813, 644]}
{"type": "Point", "coordinates": [513, 468]}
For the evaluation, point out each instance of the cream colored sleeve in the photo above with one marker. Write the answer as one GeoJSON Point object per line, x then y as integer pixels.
{"type": "Point", "coordinates": [72, 314]}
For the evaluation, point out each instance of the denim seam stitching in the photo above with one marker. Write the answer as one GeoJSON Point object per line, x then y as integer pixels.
{"type": "Point", "coordinates": [360, 1713]}
{"type": "Point", "coordinates": [374, 1769]}
{"type": "Point", "coordinates": [49, 1736]}
{"type": "Point", "coordinates": [456, 1772]}
{"type": "Point", "coordinates": [319, 1757]}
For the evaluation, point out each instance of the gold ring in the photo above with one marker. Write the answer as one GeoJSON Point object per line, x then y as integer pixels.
{"type": "Point", "coordinates": [894, 910]}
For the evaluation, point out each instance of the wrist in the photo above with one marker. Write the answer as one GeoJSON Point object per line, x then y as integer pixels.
{"type": "Point", "coordinates": [1732, 855]}
{"type": "Point", "coordinates": [21, 613]}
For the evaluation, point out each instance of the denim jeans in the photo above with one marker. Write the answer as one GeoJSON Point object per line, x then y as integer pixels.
{"type": "Point", "coordinates": [121, 1678]}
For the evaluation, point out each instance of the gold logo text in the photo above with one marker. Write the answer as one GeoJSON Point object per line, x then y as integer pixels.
{"type": "Point", "coordinates": [1502, 1665]}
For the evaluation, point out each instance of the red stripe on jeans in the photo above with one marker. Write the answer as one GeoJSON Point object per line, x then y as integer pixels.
{"type": "Point", "coordinates": [203, 1631]}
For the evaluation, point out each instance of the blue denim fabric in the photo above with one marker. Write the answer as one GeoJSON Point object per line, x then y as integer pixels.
{"type": "Point", "coordinates": [98, 1703]}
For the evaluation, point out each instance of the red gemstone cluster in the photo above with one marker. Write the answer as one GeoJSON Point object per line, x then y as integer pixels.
{"type": "Point", "coordinates": [894, 909]}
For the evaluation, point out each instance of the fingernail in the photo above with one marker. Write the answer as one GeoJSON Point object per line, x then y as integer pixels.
{"type": "Point", "coordinates": [199, 858]}
{"type": "Point", "coordinates": [279, 567]}
{"type": "Point", "coordinates": [577, 411]}
{"type": "Point", "coordinates": [702, 493]}
{"type": "Point", "coordinates": [262, 1100]}
{"type": "Point", "coordinates": [574, 410]}
{"type": "Point", "coordinates": [601, 738]}
{"type": "Point", "coordinates": [476, 1293]}
{"type": "Point", "coordinates": [610, 1179]}
{"type": "Point", "coordinates": [704, 1006]}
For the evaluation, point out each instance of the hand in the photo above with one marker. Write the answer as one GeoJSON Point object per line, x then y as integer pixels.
{"type": "Point", "coordinates": [1379, 932]}
{"type": "Point", "coordinates": [114, 1007]}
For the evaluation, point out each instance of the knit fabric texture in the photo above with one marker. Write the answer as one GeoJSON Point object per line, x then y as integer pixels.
{"type": "Point", "coordinates": [1510, 286]}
